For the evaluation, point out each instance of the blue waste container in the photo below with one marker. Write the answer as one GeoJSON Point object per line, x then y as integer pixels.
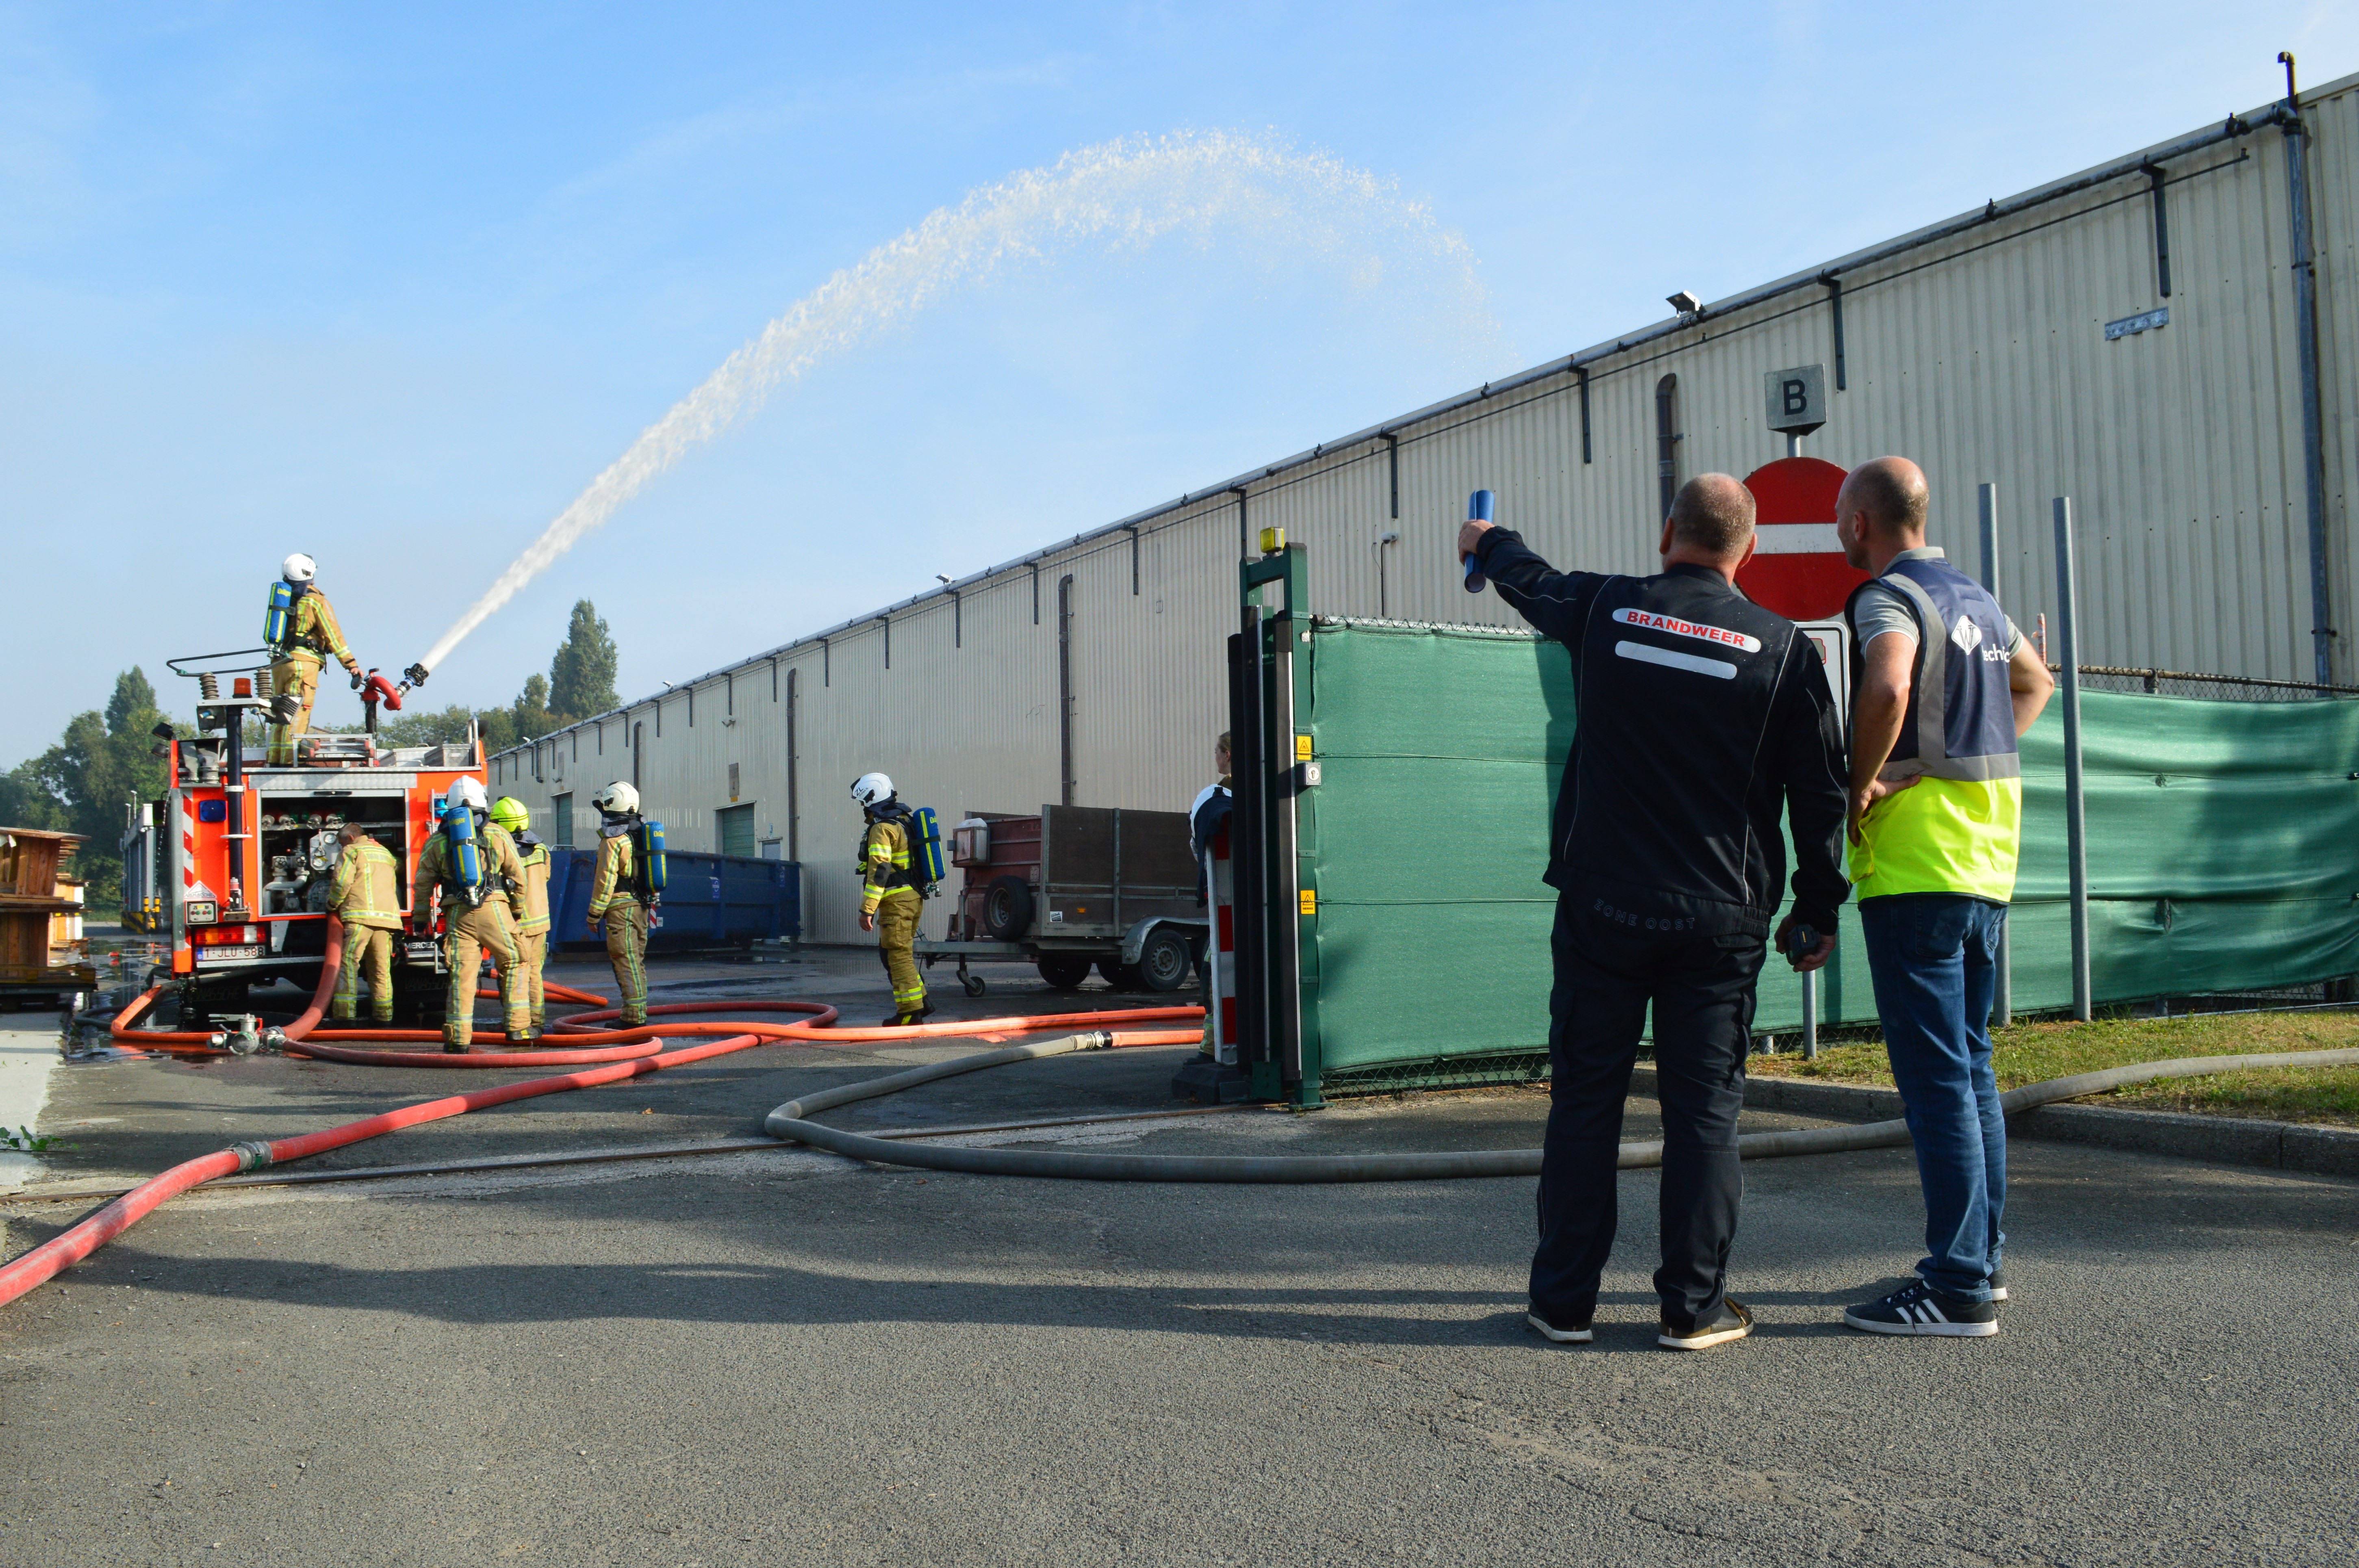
{"type": "Point", "coordinates": [710, 900]}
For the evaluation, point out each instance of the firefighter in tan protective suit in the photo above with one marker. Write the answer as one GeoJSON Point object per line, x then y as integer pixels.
{"type": "Point", "coordinates": [364, 898]}
{"type": "Point", "coordinates": [531, 901]}
{"type": "Point", "coordinates": [615, 903]}
{"type": "Point", "coordinates": [312, 637]}
{"type": "Point", "coordinates": [890, 901]}
{"type": "Point", "coordinates": [477, 926]}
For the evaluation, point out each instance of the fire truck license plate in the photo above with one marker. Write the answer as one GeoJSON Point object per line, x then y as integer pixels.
{"type": "Point", "coordinates": [224, 955]}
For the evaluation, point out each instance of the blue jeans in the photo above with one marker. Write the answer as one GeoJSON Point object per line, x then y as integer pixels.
{"type": "Point", "coordinates": [1933, 959]}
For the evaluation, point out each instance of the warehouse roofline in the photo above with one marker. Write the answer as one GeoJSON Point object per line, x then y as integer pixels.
{"type": "Point", "coordinates": [1826, 275]}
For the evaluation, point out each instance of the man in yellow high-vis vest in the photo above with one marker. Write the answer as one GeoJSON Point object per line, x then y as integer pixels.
{"type": "Point", "coordinates": [1942, 684]}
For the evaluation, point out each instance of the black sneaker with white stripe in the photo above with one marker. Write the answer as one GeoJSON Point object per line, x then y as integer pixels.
{"type": "Point", "coordinates": [1999, 1283]}
{"type": "Point", "coordinates": [1562, 1331]}
{"type": "Point", "coordinates": [1918, 1308]}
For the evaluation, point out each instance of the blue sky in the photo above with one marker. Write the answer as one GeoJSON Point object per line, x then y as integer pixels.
{"type": "Point", "coordinates": [393, 287]}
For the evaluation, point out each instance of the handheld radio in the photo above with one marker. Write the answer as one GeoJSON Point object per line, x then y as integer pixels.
{"type": "Point", "coordinates": [1478, 510]}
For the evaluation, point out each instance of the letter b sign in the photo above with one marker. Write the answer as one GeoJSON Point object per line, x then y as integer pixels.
{"type": "Point", "coordinates": [1798, 399]}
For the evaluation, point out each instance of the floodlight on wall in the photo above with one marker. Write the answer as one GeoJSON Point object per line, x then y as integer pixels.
{"type": "Point", "coordinates": [1686, 304]}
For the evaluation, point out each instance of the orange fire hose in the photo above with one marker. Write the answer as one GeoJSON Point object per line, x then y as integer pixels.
{"type": "Point", "coordinates": [620, 1054]}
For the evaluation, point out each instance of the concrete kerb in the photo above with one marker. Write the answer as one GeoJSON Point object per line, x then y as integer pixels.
{"type": "Point", "coordinates": [2223, 1140]}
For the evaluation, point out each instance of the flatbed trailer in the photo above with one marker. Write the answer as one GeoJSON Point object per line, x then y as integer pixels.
{"type": "Point", "coordinates": [1073, 887]}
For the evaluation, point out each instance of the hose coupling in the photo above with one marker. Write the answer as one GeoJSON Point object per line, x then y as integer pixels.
{"type": "Point", "coordinates": [252, 1155]}
{"type": "Point", "coordinates": [275, 1039]}
{"type": "Point", "coordinates": [1094, 1039]}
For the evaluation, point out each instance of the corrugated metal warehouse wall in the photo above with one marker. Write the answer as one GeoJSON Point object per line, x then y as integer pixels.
{"type": "Point", "coordinates": [1980, 351]}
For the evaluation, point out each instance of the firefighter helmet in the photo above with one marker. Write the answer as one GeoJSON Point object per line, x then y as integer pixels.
{"type": "Point", "coordinates": [299, 568]}
{"type": "Point", "coordinates": [469, 793]}
{"type": "Point", "coordinates": [872, 790]}
{"type": "Point", "coordinates": [511, 813]}
{"type": "Point", "coordinates": [617, 800]}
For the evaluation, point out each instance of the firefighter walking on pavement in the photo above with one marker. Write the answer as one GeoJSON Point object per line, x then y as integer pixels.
{"type": "Point", "coordinates": [892, 896]}
{"type": "Point", "coordinates": [473, 864]}
{"type": "Point", "coordinates": [300, 627]}
{"type": "Point", "coordinates": [531, 901]}
{"type": "Point", "coordinates": [624, 893]}
{"type": "Point", "coordinates": [363, 896]}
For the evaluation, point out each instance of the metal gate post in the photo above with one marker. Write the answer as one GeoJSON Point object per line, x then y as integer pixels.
{"type": "Point", "coordinates": [1249, 855]}
{"type": "Point", "coordinates": [2076, 824]}
{"type": "Point", "coordinates": [2003, 995]}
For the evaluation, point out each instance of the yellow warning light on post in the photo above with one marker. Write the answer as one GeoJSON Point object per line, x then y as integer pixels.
{"type": "Point", "coordinates": [1303, 749]}
{"type": "Point", "coordinates": [1272, 540]}
{"type": "Point", "coordinates": [1309, 901]}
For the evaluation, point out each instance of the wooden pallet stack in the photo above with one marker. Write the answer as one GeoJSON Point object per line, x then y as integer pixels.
{"type": "Point", "coordinates": [41, 910]}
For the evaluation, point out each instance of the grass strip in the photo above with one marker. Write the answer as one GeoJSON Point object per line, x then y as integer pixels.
{"type": "Point", "coordinates": [2034, 1052]}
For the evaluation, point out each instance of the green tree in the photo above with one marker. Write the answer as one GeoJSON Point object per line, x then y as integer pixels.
{"type": "Point", "coordinates": [530, 713]}
{"type": "Point", "coordinates": [103, 762]}
{"type": "Point", "coordinates": [581, 675]}
{"type": "Point", "coordinates": [425, 727]}
{"type": "Point", "coordinates": [134, 697]}
{"type": "Point", "coordinates": [27, 800]}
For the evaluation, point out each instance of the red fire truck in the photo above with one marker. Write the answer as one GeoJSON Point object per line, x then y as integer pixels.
{"type": "Point", "coordinates": [231, 868]}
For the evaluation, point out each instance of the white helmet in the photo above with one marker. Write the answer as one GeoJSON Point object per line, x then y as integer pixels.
{"type": "Point", "coordinates": [617, 800]}
{"type": "Point", "coordinates": [872, 789]}
{"type": "Point", "coordinates": [299, 568]}
{"type": "Point", "coordinates": [467, 792]}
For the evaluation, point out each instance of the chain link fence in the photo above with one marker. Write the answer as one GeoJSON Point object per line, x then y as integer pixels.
{"type": "Point", "coordinates": [2188, 683]}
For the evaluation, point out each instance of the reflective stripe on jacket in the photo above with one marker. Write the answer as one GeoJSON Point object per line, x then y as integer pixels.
{"type": "Point", "coordinates": [313, 632]}
{"type": "Point", "coordinates": [532, 900]}
{"type": "Point", "coordinates": [612, 885]}
{"type": "Point", "coordinates": [1959, 828]}
{"type": "Point", "coordinates": [884, 854]}
{"type": "Point", "coordinates": [362, 893]}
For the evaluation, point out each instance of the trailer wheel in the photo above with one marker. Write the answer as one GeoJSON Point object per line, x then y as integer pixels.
{"type": "Point", "coordinates": [1120, 975]}
{"type": "Point", "coordinates": [1006, 909]}
{"type": "Point", "coordinates": [971, 984]}
{"type": "Point", "coordinates": [1065, 971]}
{"type": "Point", "coordinates": [1164, 960]}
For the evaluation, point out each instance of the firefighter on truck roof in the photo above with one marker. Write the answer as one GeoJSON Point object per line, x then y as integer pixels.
{"type": "Point", "coordinates": [890, 901]}
{"type": "Point", "coordinates": [473, 862]}
{"type": "Point", "coordinates": [618, 898]}
{"type": "Point", "coordinates": [300, 627]}
{"type": "Point", "coordinates": [531, 901]}
{"type": "Point", "coordinates": [364, 898]}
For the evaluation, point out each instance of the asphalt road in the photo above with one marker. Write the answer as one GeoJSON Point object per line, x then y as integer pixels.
{"type": "Point", "coordinates": [783, 1357]}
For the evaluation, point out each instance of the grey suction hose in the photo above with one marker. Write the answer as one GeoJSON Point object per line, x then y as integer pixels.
{"type": "Point", "coordinates": [790, 1122]}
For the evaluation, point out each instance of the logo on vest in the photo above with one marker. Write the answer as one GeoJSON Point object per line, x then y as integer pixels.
{"type": "Point", "coordinates": [1966, 635]}
{"type": "Point", "coordinates": [1677, 627]}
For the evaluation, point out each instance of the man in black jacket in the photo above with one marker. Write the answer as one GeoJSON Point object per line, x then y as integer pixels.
{"type": "Point", "coordinates": [1700, 714]}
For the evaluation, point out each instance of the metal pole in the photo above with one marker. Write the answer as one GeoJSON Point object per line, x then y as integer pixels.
{"type": "Point", "coordinates": [2313, 433]}
{"type": "Point", "coordinates": [2002, 993]}
{"type": "Point", "coordinates": [1811, 1016]}
{"type": "Point", "coordinates": [2076, 825]}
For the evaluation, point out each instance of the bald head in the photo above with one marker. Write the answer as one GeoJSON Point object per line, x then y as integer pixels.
{"type": "Point", "coordinates": [1713, 516]}
{"type": "Point", "coordinates": [1891, 491]}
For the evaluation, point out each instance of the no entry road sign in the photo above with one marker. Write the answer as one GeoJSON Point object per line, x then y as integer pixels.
{"type": "Point", "coordinates": [1798, 568]}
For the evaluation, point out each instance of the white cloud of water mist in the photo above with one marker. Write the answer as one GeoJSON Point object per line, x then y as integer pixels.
{"type": "Point", "coordinates": [1117, 194]}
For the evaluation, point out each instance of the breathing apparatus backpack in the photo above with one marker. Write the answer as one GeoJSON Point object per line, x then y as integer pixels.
{"type": "Point", "coordinates": [926, 867]}
{"type": "Point", "coordinates": [466, 855]}
{"type": "Point", "coordinates": [278, 616]}
{"type": "Point", "coordinates": [647, 861]}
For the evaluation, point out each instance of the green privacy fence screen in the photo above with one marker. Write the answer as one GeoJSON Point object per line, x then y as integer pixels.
{"type": "Point", "coordinates": [2224, 854]}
